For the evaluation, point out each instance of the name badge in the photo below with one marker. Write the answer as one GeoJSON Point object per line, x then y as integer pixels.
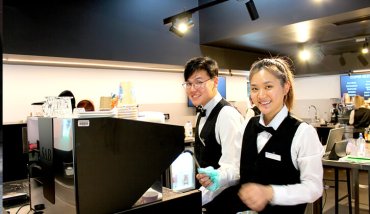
{"type": "Point", "coordinates": [273, 156]}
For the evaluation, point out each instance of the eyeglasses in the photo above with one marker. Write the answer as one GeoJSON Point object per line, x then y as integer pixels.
{"type": "Point", "coordinates": [197, 84]}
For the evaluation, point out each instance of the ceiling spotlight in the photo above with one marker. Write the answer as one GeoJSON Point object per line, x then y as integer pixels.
{"type": "Point", "coordinates": [365, 48]}
{"type": "Point", "coordinates": [252, 10]}
{"type": "Point", "coordinates": [182, 22]}
{"type": "Point", "coordinates": [181, 26]}
{"type": "Point", "coordinates": [304, 53]}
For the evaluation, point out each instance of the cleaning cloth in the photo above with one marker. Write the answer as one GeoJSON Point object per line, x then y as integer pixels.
{"type": "Point", "coordinates": [213, 175]}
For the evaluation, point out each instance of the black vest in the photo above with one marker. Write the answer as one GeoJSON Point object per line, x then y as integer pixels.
{"type": "Point", "coordinates": [362, 118]}
{"type": "Point", "coordinates": [210, 154]}
{"type": "Point", "coordinates": [255, 167]}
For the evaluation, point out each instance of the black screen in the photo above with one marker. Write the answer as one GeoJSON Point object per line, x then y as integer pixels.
{"type": "Point", "coordinates": [14, 159]}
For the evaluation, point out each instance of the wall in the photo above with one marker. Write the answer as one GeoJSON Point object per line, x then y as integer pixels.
{"type": "Point", "coordinates": [156, 91]}
{"type": "Point", "coordinates": [316, 91]}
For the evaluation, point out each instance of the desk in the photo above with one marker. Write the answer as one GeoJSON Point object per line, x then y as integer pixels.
{"type": "Point", "coordinates": [355, 168]}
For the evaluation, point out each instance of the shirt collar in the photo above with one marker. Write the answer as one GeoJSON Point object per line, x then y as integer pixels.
{"type": "Point", "coordinates": [278, 119]}
{"type": "Point", "coordinates": [212, 103]}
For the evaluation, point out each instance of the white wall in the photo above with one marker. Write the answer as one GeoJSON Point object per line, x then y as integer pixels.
{"type": "Point", "coordinates": [319, 87]}
{"type": "Point", "coordinates": [159, 91]}
{"type": "Point", "coordinates": [316, 91]}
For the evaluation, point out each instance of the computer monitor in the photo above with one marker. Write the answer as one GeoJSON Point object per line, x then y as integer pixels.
{"type": "Point", "coordinates": [335, 135]}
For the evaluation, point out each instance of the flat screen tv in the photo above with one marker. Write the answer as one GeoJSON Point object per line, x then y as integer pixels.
{"type": "Point", "coordinates": [356, 84]}
{"type": "Point", "coordinates": [221, 88]}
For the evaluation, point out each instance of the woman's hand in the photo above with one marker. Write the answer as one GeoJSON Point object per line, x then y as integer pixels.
{"type": "Point", "coordinates": [204, 179]}
{"type": "Point", "coordinates": [255, 196]}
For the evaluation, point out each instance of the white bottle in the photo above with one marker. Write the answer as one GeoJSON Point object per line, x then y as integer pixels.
{"type": "Point", "coordinates": [188, 129]}
{"type": "Point", "coordinates": [361, 146]}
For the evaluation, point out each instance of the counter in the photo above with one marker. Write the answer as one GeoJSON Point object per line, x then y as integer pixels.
{"type": "Point", "coordinates": [189, 202]}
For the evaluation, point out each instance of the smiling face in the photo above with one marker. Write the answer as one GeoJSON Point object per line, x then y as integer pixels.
{"type": "Point", "coordinates": [206, 90]}
{"type": "Point", "coordinates": [267, 93]}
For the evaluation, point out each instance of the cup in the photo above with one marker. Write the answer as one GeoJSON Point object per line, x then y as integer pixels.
{"type": "Point", "coordinates": [149, 196]}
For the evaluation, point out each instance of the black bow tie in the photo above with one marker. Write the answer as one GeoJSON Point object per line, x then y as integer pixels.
{"type": "Point", "coordinates": [261, 128]}
{"type": "Point", "coordinates": [201, 110]}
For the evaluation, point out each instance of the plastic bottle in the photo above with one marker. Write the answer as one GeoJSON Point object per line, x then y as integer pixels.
{"type": "Point", "coordinates": [188, 129]}
{"type": "Point", "coordinates": [361, 146]}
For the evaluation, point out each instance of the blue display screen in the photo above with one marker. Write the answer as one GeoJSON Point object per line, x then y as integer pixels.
{"type": "Point", "coordinates": [355, 85]}
{"type": "Point", "coordinates": [221, 88]}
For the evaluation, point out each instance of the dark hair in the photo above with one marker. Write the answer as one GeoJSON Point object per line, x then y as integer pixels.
{"type": "Point", "coordinates": [201, 63]}
{"type": "Point", "coordinates": [282, 69]}
{"type": "Point", "coordinates": [67, 93]}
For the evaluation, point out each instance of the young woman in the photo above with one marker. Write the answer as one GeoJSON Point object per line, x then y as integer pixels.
{"type": "Point", "coordinates": [359, 117]}
{"type": "Point", "coordinates": [280, 166]}
{"type": "Point", "coordinates": [280, 171]}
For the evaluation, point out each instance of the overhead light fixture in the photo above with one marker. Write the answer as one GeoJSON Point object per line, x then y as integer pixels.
{"type": "Point", "coordinates": [361, 71]}
{"type": "Point", "coordinates": [365, 48]}
{"type": "Point", "coordinates": [304, 53]}
{"type": "Point", "coordinates": [181, 25]}
{"type": "Point", "coordinates": [252, 10]}
{"type": "Point", "coordinates": [175, 28]}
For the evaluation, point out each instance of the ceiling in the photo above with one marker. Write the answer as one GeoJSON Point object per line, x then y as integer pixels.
{"type": "Point", "coordinates": [331, 27]}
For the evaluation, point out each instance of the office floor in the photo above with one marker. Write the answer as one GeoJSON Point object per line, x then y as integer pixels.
{"type": "Point", "coordinates": [328, 195]}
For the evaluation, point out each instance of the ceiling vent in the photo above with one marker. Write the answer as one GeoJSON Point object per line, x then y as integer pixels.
{"type": "Point", "coordinates": [354, 20]}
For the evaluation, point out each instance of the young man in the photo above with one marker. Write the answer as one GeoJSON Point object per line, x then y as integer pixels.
{"type": "Point", "coordinates": [218, 128]}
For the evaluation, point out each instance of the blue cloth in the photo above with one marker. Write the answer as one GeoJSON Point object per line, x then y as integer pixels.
{"type": "Point", "coordinates": [213, 175]}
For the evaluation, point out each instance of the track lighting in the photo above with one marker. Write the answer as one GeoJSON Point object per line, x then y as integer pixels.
{"type": "Point", "coordinates": [175, 27]}
{"type": "Point", "coordinates": [181, 25]}
{"type": "Point", "coordinates": [183, 21]}
{"type": "Point", "coordinates": [252, 10]}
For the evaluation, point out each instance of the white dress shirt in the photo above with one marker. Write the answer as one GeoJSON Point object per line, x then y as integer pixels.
{"type": "Point", "coordinates": [307, 152]}
{"type": "Point", "coordinates": [228, 133]}
{"type": "Point", "coordinates": [351, 117]}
